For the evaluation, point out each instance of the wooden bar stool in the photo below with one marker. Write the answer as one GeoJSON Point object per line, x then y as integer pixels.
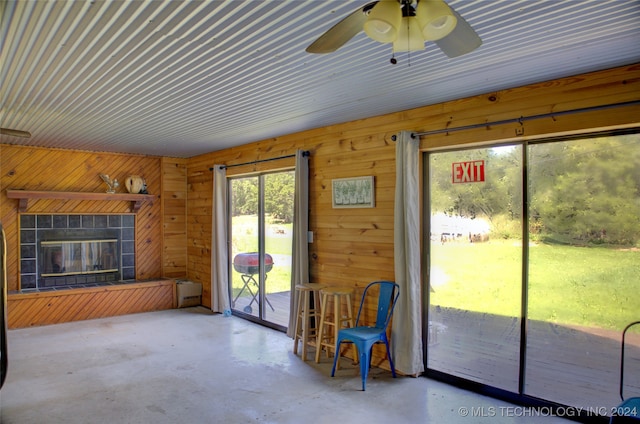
{"type": "Point", "coordinates": [333, 319]}
{"type": "Point", "coordinates": [307, 317]}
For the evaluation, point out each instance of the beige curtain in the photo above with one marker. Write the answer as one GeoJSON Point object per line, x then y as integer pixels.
{"type": "Point", "coordinates": [406, 346]}
{"type": "Point", "coordinates": [220, 301]}
{"type": "Point", "coordinates": [300, 251]}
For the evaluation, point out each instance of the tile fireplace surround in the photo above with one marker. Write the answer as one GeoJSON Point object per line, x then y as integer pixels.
{"type": "Point", "coordinates": [35, 228]}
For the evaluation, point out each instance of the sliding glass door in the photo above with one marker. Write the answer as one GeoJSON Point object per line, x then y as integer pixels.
{"type": "Point", "coordinates": [584, 269]}
{"type": "Point", "coordinates": [532, 280]}
{"type": "Point", "coordinates": [261, 220]}
{"type": "Point", "coordinates": [475, 264]}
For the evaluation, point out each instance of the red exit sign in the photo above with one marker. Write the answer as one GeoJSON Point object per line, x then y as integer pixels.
{"type": "Point", "coordinates": [467, 172]}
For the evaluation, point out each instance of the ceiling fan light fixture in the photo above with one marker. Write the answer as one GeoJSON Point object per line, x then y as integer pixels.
{"type": "Point", "coordinates": [409, 36]}
{"type": "Point", "coordinates": [437, 20]}
{"type": "Point", "coordinates": [381, 21]}
{"type": "Point", "coordinates": [384, 21]}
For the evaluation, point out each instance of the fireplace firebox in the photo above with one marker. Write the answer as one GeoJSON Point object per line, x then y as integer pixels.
{"type": "Point", "coordinates": [67, 251]}
{"type": "Point", "coordinates": [65, 262]}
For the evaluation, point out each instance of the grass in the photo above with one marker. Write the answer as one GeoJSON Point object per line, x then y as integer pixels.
{"type": "Point", "coordinates": [582, 286]}
{"type": "Point", "coordinates": [593, 287]}
{"type": "Point", "coordinates": [277, 243]}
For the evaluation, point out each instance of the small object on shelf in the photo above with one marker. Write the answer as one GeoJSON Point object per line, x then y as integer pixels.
{"type": "Point", "coordinates": [113, 184]}
{"type": "Point", "coordinates": [136, 184]}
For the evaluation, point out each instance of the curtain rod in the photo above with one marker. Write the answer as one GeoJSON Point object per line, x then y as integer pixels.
{"type": "Point", "coordinates": [304, 153]}
{"type": "Point", "coordinates": [526, 118]}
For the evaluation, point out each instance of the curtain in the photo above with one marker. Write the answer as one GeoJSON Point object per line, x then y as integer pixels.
{"type": "Point", "coordinates": [407, 318]}
{"type": "Point", "coordinates": [220, 301]}
{"type": "Point", "coordinates": [300, 251]}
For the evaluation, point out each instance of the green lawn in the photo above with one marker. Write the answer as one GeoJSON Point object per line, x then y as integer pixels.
{"type": "Point", "coordinates": [584, 286]}
{"type": "Point", "coordinates": [591, 286]}
{"type": "Point", "coordinates": [595, 286]}
{"type": "Point", "coordinates": [277, 244]}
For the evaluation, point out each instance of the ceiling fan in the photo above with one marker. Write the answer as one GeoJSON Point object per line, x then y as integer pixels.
{"type": "Point", "coordinates": [15, 133]}
{"type": "Point", "coordinates": [405, 23]}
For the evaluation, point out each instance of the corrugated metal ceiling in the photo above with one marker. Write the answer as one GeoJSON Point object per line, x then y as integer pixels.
{"type": "Point", "coordinates": [181, 78]}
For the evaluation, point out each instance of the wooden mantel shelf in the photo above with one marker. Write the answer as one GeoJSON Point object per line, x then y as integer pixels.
{"type": "Point", "coordinates": [25, 195]}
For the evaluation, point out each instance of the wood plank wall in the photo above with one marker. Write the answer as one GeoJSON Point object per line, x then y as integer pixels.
{"type": "Point", "coordinates": [44, 308]}
{"type": "Point", "coordinates": [355, 246]}
{"type": "Point", "coordinates": [174, 217]}
{"type": "Point", "coordinates": [351, 246]}
{"type": "Point", "coordinates": [36, 168]}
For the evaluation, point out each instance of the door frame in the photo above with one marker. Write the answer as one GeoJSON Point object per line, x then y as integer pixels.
{"type": "Point", "coordinates": [261, 295]}
{"type": "Point", "coordinates": [521, 397]}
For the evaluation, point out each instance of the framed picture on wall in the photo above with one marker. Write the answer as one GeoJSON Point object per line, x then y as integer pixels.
{"type": "Point", "coordinates": [357, 192]}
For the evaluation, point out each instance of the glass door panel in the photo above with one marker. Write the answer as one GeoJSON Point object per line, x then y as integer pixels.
{"type": "Point", "coordinates": [475, 264]}
{"type": "Point", "coordinates": [584, 264]}
{"type": "Point", "coordinates": [261, 209]}
{"type": "Point", "coordinates": [278, 217]}
{"type": "Point", "coordinates": [245, 275]}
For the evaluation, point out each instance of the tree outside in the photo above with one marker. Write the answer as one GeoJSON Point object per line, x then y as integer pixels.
{"type": "Point", "coordinates": [581, 192]}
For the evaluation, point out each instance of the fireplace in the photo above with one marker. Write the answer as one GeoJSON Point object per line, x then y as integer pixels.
{"type": "Point", "coordinates": [78, 256]}
{"type": "Point", "coordinates": [70, 251]}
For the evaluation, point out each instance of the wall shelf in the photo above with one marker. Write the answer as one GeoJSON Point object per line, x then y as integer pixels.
{"type": "Point", "coordinates": [25, 195]}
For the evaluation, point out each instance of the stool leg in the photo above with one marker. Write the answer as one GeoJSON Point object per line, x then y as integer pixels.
{"type": "Point", "coordinates": [305, 324]}
{"type": "Point", "coordinates": [323, 308]}
{"type": "Point", "coordinates": [296, 333]}
{"type": "Point", "coordinates": [315, 316]}
{"type": "Point", "coordinates": [342, 318]}
{"type": "Point", "coordinates": [337, 317]}
{"type": "Point", "coordinates": [338, 320]}
{"type": "Point", "coordinates": [350, 312]}
{"type": "Point", "coordinates": [352, 324]}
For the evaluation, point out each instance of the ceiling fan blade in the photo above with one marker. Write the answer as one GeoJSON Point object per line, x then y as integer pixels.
{"type": "Point", "coordinates": [341, 32]}
{"type": "Point", "coordinates": [462, 40]}
{"type": "Point", "coordinates": [15, 133]}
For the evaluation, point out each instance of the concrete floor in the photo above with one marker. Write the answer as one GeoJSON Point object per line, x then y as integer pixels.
{"type": "Point", "coordinates": [191, 366]}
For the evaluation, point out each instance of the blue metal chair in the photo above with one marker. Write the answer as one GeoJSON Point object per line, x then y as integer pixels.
{"type": "Point", "coordinates": [364, 337]}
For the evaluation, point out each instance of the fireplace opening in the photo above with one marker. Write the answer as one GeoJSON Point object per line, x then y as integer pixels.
{"type": "Point", "coordinates": [72, 257]}
{"type": "Point", "coordinates": [59, 252]}
{"type": "Point", "coordinates": [77, 257]}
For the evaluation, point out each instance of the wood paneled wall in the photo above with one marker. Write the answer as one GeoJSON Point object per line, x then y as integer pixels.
{"type": "Point", "coordinates": [174, 217]}
{"type": "Point", "coordinates": [355, 246]}
{"type": "Point", "coordinates": [351, 246]}
{"type": "Point", "coordinates": [27, 310]}
{"type": "Point", "coordinates": [36, 168]}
